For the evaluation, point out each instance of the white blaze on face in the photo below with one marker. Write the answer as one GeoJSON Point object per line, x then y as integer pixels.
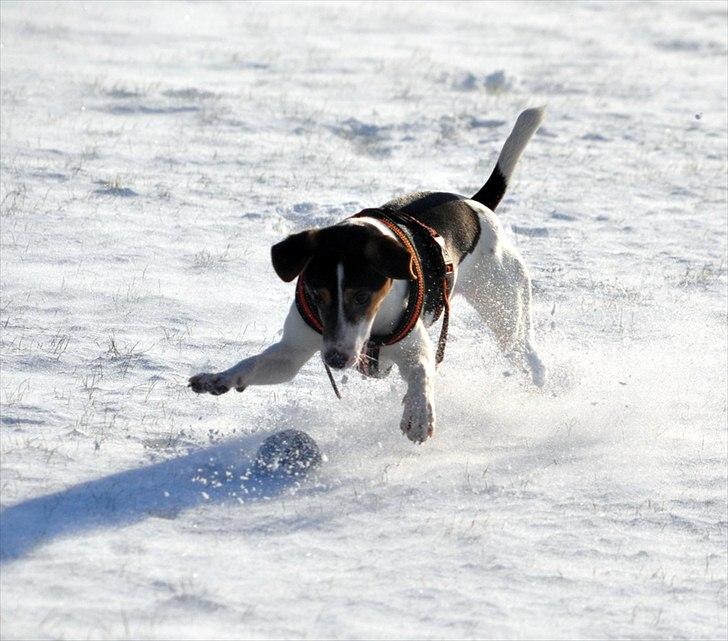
{"type": "Point", "coordinates": [349, 338]}
{"type": "Point", "coordinates": [340, 294]}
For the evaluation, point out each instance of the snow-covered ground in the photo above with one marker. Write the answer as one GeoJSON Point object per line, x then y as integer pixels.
{"type": "Point", "coordinates": [152, 153]}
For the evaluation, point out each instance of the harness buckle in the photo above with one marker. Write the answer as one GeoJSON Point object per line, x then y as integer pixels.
{"type": "Point", "coordinates": [447, 261]}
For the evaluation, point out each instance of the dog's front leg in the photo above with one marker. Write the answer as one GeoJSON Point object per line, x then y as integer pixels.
{"type": "Point", "coordinates": [415, 359]}
{"type": "Point", "coordinates": [277, 364]}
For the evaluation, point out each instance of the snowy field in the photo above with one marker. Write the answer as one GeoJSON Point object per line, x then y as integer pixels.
{"type": "Point", "coordinates": [152, 153]}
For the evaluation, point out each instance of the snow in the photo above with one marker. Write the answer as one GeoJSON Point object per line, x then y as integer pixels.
{"type": "Point", "coordinates": [152, 154]}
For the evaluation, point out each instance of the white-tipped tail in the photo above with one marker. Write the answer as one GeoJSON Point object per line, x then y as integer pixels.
{"type": "Point", "coordinates": [494, 189]}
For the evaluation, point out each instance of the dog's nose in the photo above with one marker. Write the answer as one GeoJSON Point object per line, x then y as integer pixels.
{"type": "Point", "coordinates": [336, 359]}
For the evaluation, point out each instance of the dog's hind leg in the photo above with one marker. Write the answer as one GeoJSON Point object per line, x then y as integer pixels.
{"type": "Point", "coordinates": [277, 364]}
{"type": "Point", "coordinates": [526, 340]}
{"type": "Point", "coordinates": [496, 283]}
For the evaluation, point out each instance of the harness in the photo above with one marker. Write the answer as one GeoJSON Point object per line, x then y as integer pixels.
{"type": "Point", "coordinates": [428, 293]}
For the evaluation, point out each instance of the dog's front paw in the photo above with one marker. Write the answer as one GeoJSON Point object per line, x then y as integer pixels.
{"type": "Point", "coordinates": [418, 420]}
{"type": "Point", "coordinates": [214, 384]}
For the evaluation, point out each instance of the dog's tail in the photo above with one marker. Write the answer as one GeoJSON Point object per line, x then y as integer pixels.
{"type": "Point", "coordinates": [492, 192]}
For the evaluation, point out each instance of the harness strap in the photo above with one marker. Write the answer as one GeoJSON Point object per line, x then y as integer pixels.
{"type": "Point", "coordinates": [414, 313]}
{"type": "Point", "coordinates": [447, 265]}
{"type": "Point", "coordinates": [448, 269]}
{"type": "Point", "coordinates": [440, 354]}
{"type": "Point", "coordinates": [305, 308]}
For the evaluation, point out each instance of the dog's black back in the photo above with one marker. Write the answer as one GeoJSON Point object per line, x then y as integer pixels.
{"type": "Point", "coordinates": [449, 215]}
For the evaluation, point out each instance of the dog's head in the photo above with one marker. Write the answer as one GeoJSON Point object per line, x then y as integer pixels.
{"type": "Point", "coordinates": [349, 270]}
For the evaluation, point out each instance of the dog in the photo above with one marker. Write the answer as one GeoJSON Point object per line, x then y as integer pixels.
{"type": "Point", "coordinates": [357, 278]}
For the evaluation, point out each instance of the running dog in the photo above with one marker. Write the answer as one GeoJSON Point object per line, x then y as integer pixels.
{"type": "Point", "coordinates": [365, 282]}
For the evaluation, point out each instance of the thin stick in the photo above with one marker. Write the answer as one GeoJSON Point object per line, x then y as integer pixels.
{"type": "Point", "coordinates": [333, 382]}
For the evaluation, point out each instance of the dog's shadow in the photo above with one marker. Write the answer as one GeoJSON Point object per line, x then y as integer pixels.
{"type": "Point", "coordinates": [226, 472]}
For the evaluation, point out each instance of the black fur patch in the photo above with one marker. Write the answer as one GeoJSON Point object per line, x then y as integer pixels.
{"type": "Point", "coordinates": [448, 214]}
{"type": "Point", "coordinates": [493, 191]}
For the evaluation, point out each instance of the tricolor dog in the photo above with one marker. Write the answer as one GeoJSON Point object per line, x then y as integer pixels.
{"type": "Point", "coordinates": [370, 286]}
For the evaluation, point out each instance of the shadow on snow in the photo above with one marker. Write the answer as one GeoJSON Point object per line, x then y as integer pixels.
{"type": "Point", "coordinates": [217, 474]}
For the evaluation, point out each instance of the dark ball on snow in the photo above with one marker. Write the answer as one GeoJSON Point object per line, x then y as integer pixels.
{"type": "Point", "coordinates": [290, 452]}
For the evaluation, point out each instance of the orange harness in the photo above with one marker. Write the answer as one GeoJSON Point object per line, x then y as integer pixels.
{"type": "Point", "coordinates": [404, 227]}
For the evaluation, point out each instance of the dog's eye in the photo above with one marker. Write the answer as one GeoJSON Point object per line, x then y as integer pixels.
{"type": "Point", "coordinates": [362, 297]}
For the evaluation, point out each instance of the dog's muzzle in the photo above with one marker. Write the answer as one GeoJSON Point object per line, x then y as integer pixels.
{"type": "Point", "coordinates": [336, 359]}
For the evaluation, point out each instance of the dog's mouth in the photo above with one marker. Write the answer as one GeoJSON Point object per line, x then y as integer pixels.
{"type": "Point", "coordinates": [338, 359]}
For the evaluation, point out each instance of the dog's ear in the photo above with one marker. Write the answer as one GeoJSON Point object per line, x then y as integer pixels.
{"type": "Point", "coordinates": [390, 258]}
{"type": "Point", "coordinates": [291, 255]}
